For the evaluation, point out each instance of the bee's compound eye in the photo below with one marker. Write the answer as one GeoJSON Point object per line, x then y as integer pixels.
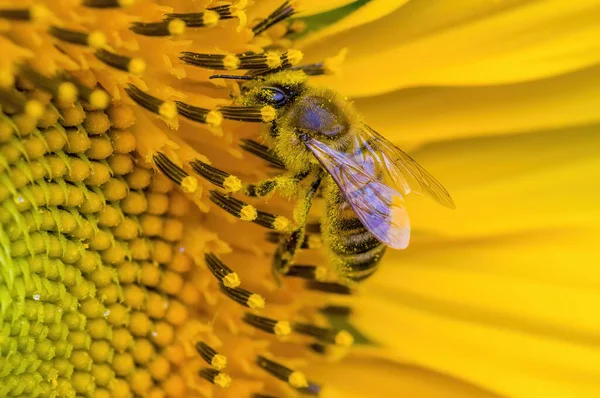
{"type": "Point", "coordinates": [274, 96]}
{"type": "Point", "coordinates": [277, 96]}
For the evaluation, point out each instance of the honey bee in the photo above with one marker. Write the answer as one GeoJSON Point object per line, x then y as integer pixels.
{"type": "Point", "coordinates": [315, 134]}
{"type": "Point", "coordinates": [362, 176]}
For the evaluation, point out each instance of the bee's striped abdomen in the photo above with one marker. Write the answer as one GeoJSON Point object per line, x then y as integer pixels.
{"type": "Point", "coordinates": [358, 251]}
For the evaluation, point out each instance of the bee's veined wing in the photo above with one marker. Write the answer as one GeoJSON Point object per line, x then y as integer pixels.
{"type": "Point", "coordinates": [402, 171]}
{"type": "Point", "coordinates": [378, 206]}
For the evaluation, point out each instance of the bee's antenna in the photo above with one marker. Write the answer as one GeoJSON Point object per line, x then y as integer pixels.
{"type": "Point", "coordinates": [233, 77]}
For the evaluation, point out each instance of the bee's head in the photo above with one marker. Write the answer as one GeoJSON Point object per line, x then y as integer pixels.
{"type": "Point", "coordinates": [278, 90]}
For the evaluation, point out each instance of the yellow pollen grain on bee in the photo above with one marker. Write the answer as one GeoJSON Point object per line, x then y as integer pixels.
{"type": "Point", "coordinates": [176, 27]}
{"type": "Point", "coordinates": [67, 92]}
{"type": "Point", "coordinates": [189, 184]}
{"type": "Point", "coordinates": [231, 280]}
{"type": "Point", "coordinates": [281, 223]}
{"type": "Point", "coordinates": [294, 56]}
{"type": "Point", "coordinates": [232, 184]}
{"type": "Point", "coordinates": [126, 3]}
{"type": "Point", "coordinates": [273, 60]}
{"type": "Point", "coordinates": [99, 99]}
{"type": "Point", "coordinates": [231, 62]}
{"type": "Point", "coordinates": [282, 328]}
{"type": "Point", "coordinates": [34, 109]}
{"type": "Point", "coordinates": [268, 113]}
{"type": "Point", "coordinates": [222, 380]}
{"type": "Point", "coordinates": [256, 302]}
{"type": "Point", "coordinates": [168, 109]}
{"type": "Point", "coordinates": [219, 362]}
{"type": "Point", "coordinates": [214, 118]}
{"type": "Point", "coordinates": [136, 66]}
{"type": "Point", "coordinates": [297, 380]}
{"type": "Point", "coordinates": [248, 213]}
{"type": "Point", "coordinates": [344, 339]}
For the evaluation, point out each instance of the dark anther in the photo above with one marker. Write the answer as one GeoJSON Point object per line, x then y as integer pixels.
{"type": "Point", "coordinates": [284, 11]}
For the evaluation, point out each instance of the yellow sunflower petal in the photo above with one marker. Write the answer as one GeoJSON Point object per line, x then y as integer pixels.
{"type": "Point", "coordinates": [361, 376]}
{"type": "Point", "coordinates": [468, 43]}
{"type": "Point", "coordinates": [420, 115]}
{"type": "Point", "coordinates": [367, 13]}
{"type": "Point", "coordinates": [510, 184]}
{"type": "Point", "coordinates": [508, 361]}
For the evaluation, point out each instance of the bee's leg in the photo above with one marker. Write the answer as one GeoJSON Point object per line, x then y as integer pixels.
{"type": "Point", "coordinates": [311, 240]}
{"type": "Point", "coordinates": [285, 183]}
{"type": "Point", "coordinates": [288, 245]}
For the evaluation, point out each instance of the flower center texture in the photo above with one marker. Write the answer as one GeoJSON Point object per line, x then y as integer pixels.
{"type": "Point", "coordinates": [126, 269]}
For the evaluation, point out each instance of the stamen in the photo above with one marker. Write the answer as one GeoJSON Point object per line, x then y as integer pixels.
{"type": "Point", "coordinates": [217, 378]}
{"type": "Point", "coordinates": [336, 310]}
{"type": "Point", "coordinates": [196, 19]}
{"type": "Point", "coordinates": [16, 14]}
{"type": "Point", "coordinates": [326, 335]}
{"type": "Point", "coordinates": [95, 39]}
{"type": "Point", "coordinates": [232, 11]}
{"type": "Point", "coordinates": [244, 297]}
{"type": "Point", "coordinates": [315, 69]}
{"type": "Point", "coordinates": [217, 177]}
{"type": "Point", "coordinates": [198, 114]}
{"type": "Point", "coordinates": [168, 27]}
{"type": "Point", "coordinates": [288, 59]}
{"type": "Point", "coordinates": [291, 57]}
{"type": "Point", "coordinates": [14, 99]}
{"type": "Point", "coordinates": [223, 273]}
{"type": "Point", "coordinates": [232, 77]}
{"type": "Point", "coordinates": [262, 151]}
{"type": "Point", "coordinates": [245, 211]}
{"type": "Point", "coordinates": [107, 3]}
{"type": "Point", "coordinates": [99, 99]}
{"type": "Point", "coordinates": [175, 173]}
{"type": "Point", "coordinates": [253, 114]}
{"type": "Point", "coordinates": [168, 109]}
{"type": "Point", "coordinates": [329, 287]}
{"type": "Point", "coordinates": [278, 328]}
{"type": "Point", "coordinates": [224, 12]}
{"type": "Point", "coordinates": [284, 11]}
{"type": "Point", "coordinates": [212, 357]}
{"type": "Point", "coordinates": [135, 66]}
{"type": "Point", "coordinates": [34, 13]}
{"type": "Point", "coordinates": [211, 61]}
{"type": "Point", "coordinates": [267, 60]}
{"type": "Point", "coordinates": [294, 378]}
{"type": "Point", "coordinates": [63, 91]}
{"type": "Point", "coordinates": [318, 348]}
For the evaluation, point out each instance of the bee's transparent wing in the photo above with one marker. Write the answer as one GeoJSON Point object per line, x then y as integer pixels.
{"type": "Point", "coordinates": [398, 169]}
{"type": "Point", "coordinates": [378, 206]}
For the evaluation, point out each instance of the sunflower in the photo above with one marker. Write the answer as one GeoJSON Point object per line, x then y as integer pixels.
{"type": "Point", "coordinates": [121, 276]}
